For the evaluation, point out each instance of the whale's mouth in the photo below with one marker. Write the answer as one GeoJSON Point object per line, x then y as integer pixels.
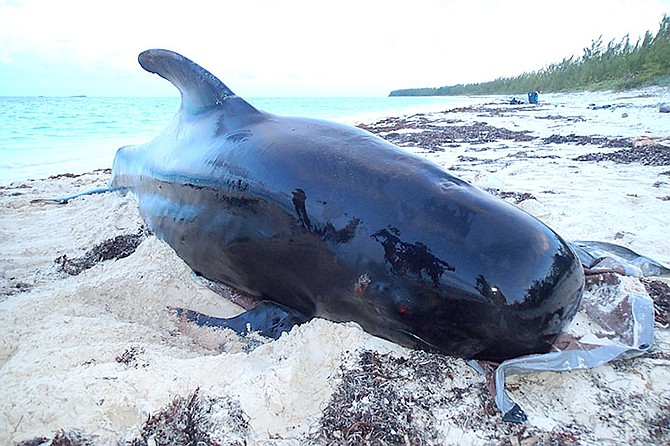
{"type": "Point", "coordinates": [418, 341]}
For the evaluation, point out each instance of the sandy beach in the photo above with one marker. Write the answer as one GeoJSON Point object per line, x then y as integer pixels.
{"type": "Point", "coordinates": [98, 357]}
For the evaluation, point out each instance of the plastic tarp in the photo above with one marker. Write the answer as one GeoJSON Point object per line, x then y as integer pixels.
{"type": "Point", "coordinates": [615, 320]}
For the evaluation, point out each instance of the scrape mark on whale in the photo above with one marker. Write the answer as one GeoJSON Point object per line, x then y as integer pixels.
{"type": "Point", "coordinates": [412, 260]}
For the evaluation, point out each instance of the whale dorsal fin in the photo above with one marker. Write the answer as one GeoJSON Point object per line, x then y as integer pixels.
{"type": "Point", "coordinates": [200, 90]}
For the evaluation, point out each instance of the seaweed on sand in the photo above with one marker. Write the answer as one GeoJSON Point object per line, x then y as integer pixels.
{"type": "Point", "coordinates": [369, 408]}
{"type": "Point", "coordinates": [196, 420]}
{"type": "Point", "coordinates": [114, 248]}
{"type": "Point", "coordinates": [660, 294]}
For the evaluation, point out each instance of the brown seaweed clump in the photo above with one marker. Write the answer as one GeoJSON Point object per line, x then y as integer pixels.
{"type": "Point", "coordinates": [647, 156]}
{"type": "Point", "coordinates": [435, 135]}
{"type": "Point", "coordinates": [196, 420]}
{"type": "Point", "coordinates": [370, 407]}
{"type": "Point", "coordinates": [114, 248]}
{"type": "Point", "coordinates": [131, 357]}
{"type": "Point", "coordinates": [581, 140]}
{"type": "Point", "coordinates": [61, 438]}
{"type": "Point", "coordinates": [660, 294]}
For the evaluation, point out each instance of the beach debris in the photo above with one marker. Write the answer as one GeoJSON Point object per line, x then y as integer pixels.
{"type": "Point", "coordinates": [523, 154]}
{"type": "Point", "coordinates": [644, 141]}
{"type": "Point", "coordinates": [470, 160]}
{"type": "Point", "coordinates": [621, 309]}
{"type": "Point", "coordinates": [660, 427]}
{"type": "Point", "coordinates": [562, 118]}
{"type": "Point", "coordinates": [37, 441]}
{"type": "Point", "coordinates": [62, 438]}
{"type": "Point", "coordinates": [437, 134]}
{"type": "Point", "coordinates": [385, 399]}
{"type": "Point", "coordinates": [131, 357]}
{"type": "Point", "coordinates": [371, 404]}
{"type": "Point", "coordinates": [648, 155]}
{"type": "Point", "coordinates": [602, 107]}
{"type": "Point", "coordinates": [615, 301]}
{"type": "Point", "coordinates": [70, 175]}
{"type": "Point", "coordinates": [115, 248]}
{"type": "Point", "coordinates": [630, 263]}
{"type": "Point", "coordinates": [65, 175]}
{"type": "Point", "coordinates": [660, 294]}
{"type": "Point", "coordinates": [392, 124]}
{"type": "Point", "coordinates": [16, 191]}
{"type": "Point", "coordinates": [584, 140]}
{"type": "Point", "coordinates": [516, 197]}
{"type": "Point", "coordinates": [15, 286]}
{"type": "Point", "coordinates": [493, 110]}
{"type": "Point", "coordinates": [196, 420]}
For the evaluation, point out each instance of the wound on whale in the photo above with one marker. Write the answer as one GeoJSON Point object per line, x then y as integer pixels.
{"type": "Point", "coordinates": [318, 219]}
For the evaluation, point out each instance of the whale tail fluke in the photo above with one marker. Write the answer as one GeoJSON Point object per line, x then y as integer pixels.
{"type": "Point", "coordinates": [66, 200]}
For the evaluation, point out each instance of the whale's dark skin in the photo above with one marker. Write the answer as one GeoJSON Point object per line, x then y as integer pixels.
{"type": "Point", "coordinates": [319, 219]}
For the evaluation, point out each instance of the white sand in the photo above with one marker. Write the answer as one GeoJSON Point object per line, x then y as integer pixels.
{"type": "Point", "coordinates": [60, 335]}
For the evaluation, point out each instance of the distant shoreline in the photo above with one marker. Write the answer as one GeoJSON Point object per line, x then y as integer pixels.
{"type": "Point", "coordinates": [435, 92]}
{"type": "Point", "coordinates": [617, 66]}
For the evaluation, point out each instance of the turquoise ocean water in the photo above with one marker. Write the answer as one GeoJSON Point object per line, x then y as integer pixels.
{"type": "Point", "coordinates": [44, 136]}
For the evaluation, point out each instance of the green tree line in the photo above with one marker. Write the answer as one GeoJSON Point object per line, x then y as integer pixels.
{"type": "Point", "coordinates": [618, 65]}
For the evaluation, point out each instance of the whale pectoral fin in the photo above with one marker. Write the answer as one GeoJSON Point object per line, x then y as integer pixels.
{"type": "Point", "coordinates": [244, 300]}
{"type": "Point", "coordinates": [268, 318]}
{"type": "Point", "coordinates": [65, 200]}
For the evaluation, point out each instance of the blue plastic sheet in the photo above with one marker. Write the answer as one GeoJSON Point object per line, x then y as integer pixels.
{"type": "Point", "coordinates": [620, 317]}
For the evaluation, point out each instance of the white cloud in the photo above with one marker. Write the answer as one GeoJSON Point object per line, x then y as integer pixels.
{"type": "Point", "coordinates": [301, 47]}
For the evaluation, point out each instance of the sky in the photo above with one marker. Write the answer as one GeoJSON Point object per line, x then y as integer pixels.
{"type": "Point", "coordinates": [266, 48]}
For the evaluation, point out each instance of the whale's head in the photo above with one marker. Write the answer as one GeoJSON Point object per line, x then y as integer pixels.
{"type": "Point", "coordinates": [490, 283]}
{"type": "Point", "coordinates": [482, 321]}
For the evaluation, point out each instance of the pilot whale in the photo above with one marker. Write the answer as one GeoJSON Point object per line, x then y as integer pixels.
{"type": "Point", "coordinates": [319, 219]}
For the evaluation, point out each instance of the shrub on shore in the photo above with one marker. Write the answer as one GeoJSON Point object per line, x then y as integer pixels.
{"type": "Point", "coordinates": [615, 66]}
